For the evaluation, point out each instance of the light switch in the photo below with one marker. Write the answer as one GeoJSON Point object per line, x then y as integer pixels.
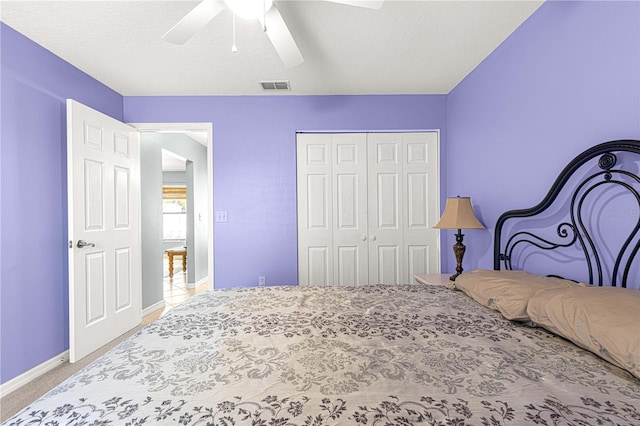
{"type": "Point", "coordinates": [221, 216]}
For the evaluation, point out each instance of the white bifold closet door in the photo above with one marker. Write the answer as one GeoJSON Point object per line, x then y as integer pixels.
{"type": "Point", "coordinates": [366, 205]}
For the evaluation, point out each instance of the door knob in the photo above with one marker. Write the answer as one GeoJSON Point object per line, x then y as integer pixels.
{"type": "Point", "coordinates": [373, 238]}
{"type": "Point", "coordinates": [363, 238]}
{"type": "Point", "coordinates": [82, 243]}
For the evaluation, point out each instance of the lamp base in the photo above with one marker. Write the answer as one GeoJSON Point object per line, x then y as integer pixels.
{"type": "Point", "coordinates": [458, 250]}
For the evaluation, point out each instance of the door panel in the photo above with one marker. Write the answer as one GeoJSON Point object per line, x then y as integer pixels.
{"type": "Point", "coordinates": [386, 256]}
{"type": "Point", "coordinates": [386, 149]}
{"type": "Point", "coordinates": [417, 200]}
{"type": "Point", "coordinates": [122, 197]}
{"type": "Point", "coordinates": [124, 289]}
{"type": "Point", "coordinates": [96, 297]}
{"type": "Point", "coordinates": [318, 260]}
{"type": "Point", "coordinates": [421, 204]}
{"type": "Point", "coordinates": [94, 195]}
{"type": "Point", "coordinates": [388, 263]}
{"type": "Point", "coordinates": [387, 201]}
{"type": "Point", "coordinates": [349, 170]}
{"type": "Point", "coordinates": [105, 293]}
{"type": "Point", "coordinates": [348, 271]}
{"type": "Point", "coordinates": [315, 210]}
{"type": "Point", "coordinates": [92, 135]}
{"type": "Point", "coordinates": [346, 201]}
{"type": "Point", "coordinates": [418, 257]}
{"type": "Point", "coordinates": [122, 145]}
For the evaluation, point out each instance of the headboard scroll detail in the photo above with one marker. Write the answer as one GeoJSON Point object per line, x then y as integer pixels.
{"type": "Point", "coordinates": [574, 230]}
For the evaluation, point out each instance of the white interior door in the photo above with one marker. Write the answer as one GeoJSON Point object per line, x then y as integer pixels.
{"type": "Point", "coordinates": [420, 204]}
{"type": "Point", "coordinates": [386, 221]}
{"type": "Point", "coordinates": [103, 174]}
{"type": "Point", "coordinates": [315, 210]}
{"type": "Point", "coordinates": [350, 239]}
{"type": "Point", "coordinates": [403, 206]}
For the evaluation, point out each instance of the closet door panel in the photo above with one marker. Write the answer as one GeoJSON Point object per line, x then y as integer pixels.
{"type": "Point", "coordinates": [387, 204]}
{"type": "Point", "coordinates": [388, 264]}
{"type": "Point", "coordinates": [315, 209]}
{"type": "Point", "coordinates": [418, 257]}
{"type": "Point", "coordinates": [420, 204]}
{"type": "Point", "coordinates": [417, 203]}
{"type": "Point", "coordinates": [386, 221]}
{"type": "Point", "coordinates": [318, 271]}
{"type": "Point", "coordinates": [350, 209]}
{"type": "Point", "coordinates": [347, 202]}
{"type": "Point", "coordinates": [348, 261]}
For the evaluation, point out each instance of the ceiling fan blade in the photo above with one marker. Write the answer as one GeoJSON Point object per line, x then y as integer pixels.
{"type": "Point", "coordinates": [369, 4]}
{"type": "Point", "coordinates": [194, 21]}
{"type": "Point", "coordinates": [281, 38]}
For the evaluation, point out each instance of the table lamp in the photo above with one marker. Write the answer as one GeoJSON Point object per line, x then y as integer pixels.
{"type": "Point", "coordinates": [458, 214]}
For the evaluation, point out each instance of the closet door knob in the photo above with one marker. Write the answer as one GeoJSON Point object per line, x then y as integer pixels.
{"type": "Point", "coordinates": [373, 238]}
{"type": "Point", "coordinates": [363, 238]}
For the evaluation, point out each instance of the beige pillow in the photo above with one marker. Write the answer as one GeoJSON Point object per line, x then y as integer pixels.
{"type": "Point", "coordinates": [604, 320]}
{"type": "Point", "coordinates": [507, 291]}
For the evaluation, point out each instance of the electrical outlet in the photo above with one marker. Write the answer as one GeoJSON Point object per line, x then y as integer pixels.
{"type": "Point", "coordinates": [262, 281]}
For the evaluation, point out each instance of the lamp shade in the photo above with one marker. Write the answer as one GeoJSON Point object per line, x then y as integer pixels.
{"type": "Point", "coordinates": [458, 214]}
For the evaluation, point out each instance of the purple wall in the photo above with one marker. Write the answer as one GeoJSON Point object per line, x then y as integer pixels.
{"type": "Point", "coordinates": [34, 291]}
{"type": "Point", "coordinates": [567, 79]}
{"type": "Point", "coordinates": [254, 164]}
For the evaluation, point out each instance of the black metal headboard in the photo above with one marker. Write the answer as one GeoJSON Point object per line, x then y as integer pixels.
{"type": "Point", "coordinates": [605, 173]}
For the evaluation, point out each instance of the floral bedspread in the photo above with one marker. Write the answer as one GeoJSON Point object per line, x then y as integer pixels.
{"type": "Point", "coordinates": [374, 355]}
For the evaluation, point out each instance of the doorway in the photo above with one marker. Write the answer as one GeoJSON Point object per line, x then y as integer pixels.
{"type": "Point", "coordinates": [189, 144]}
{"type": "Point", "coordinates": [178, 224]}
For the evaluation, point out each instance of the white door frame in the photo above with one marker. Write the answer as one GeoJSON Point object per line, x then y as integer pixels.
{"type": "Point", "coordinates": [193, 127]}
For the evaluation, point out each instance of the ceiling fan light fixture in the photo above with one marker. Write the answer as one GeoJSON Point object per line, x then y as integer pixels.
{"type": "Point", "coordinates": [249, 9]}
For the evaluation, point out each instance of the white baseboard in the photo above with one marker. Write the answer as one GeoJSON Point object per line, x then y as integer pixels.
{"type": "Point", "coordinates": [197, 284]}
{"type": "Point", "coordinates": [153, 308]}
{"type": "Point", "coordinates": [37, 371]}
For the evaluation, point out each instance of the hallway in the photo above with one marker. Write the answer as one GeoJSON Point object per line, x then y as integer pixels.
{"type": "Point", "coordinates": [175, 289]}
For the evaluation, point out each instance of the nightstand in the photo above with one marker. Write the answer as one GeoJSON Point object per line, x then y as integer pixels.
{"type": "Point", "coordinates": [432, 279]}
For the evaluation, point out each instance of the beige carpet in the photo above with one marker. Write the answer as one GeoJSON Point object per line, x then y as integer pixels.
{"type": "Point", "coordinates": [21, 398]}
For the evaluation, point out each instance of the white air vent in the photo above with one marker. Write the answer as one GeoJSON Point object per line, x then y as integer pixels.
{"type": "Point", "coordinates": [275, 85]}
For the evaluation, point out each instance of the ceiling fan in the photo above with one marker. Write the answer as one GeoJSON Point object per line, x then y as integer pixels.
{"type": "Point", "coordinates": [263, 10]}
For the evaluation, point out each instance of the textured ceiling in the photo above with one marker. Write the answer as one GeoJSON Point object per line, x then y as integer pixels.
{"type": "Point", "coordinates": [406, 47]}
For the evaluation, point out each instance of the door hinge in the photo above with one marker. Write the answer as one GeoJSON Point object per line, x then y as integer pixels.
{"type": "Point", "coordinates": [70, 244]}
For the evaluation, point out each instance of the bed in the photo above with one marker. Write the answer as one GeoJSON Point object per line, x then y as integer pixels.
{"type": "Point", "coordinates": [382, 355]}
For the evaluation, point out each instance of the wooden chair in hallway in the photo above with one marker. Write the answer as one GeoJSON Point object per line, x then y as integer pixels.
{"type": "Point", "coordinates": [177, 251]}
